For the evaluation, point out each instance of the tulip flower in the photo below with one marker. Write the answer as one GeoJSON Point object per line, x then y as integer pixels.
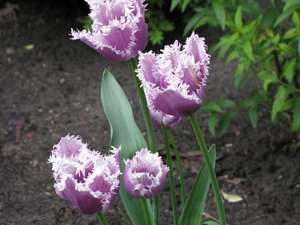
{"type": "Point", "coordinates": [89, 180]}
{"type": "Point", "coordinates": [144, 174]}
{"type": "Point", "coordinates": [175, 80]}
{"type": "Point", "coordinates": [119, 30]}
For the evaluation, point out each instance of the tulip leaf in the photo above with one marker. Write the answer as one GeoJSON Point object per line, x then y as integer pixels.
{"type": "Point", "coordinates": [210, 223]}
{"type": "Point", "coordinates": [125, 132]}
{"type": "Point", "coordinates": [194, 206]}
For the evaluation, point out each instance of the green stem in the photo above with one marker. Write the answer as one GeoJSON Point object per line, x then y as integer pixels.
{"type": "Point", "coordinates": [156, 210]}
{"type": "Point", "coordinates": [146, 114]}
{"type": "Point", "coordinates": [182, 185]}
{"type": "Point", "coordinates": [101, 218]}
{"type": "Point", "coordinates": [149, 128]}
{"type": "Point", "coordinates": [146, 211]}
{"type": "Point", "coordinates": [171, 176]}
{"type": "Point", "coordinates": [210, 169]}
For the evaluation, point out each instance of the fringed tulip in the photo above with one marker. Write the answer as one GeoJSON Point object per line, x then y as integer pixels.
{"type": "Point", "coordinates": [175, 81]}
{"type": "Point", "coordinates": [119, 30]}
{"type": "Point", "coordinates": [89, 180]}
{"type": "Point", "coordinates": [145, 174]}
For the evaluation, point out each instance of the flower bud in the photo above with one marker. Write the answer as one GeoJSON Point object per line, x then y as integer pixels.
{"type": "Point", "coordinates": [145, 174]}
{"type": "Point", "coordinates": [89, 180]}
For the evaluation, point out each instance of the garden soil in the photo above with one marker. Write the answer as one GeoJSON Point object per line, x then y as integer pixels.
{"type": "Point", "coordinates": [52, 88]}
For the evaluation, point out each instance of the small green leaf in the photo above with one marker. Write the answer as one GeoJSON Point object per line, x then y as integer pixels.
{"type": "Point", "coordinates": [225, 121]}
{"type": "Point", "coordinates": [174, 4]}
{"type": "Point", "coordinates": [212, 123]}
{"type": "Point", "coordinates": [286, 49]}
{"type": "Point", "coordinates": [219, 12]}
{"type": "Point", "coordinates": [232, 56]}
{"type": "Point", "coordinates": [184, 5]}
{"type": "Point", "coordinates": [238, 20]}
{"type": "Point", "coordinates": [210, 106]}
{"type": "Point", "coordinates": [210, 223]}
{"type": "Point", "coordinates": [279, 102]}
{"type": "Point", "coordinates": [226, 103]}
{"type": "Point", "coordinates": [288, 70]}
{"type": "Point", "coordinates": [246, 103]}
{"type": "Point", "coordinates": [231, 198]}
{"type": "Point", "coordinates": [296, 116]}
{"type": "Point", "coordinates": [248, 49]}
{"type": "Point", "coordinates": [289, 3]}
{"type": "Point", "coordinates": [253, 115]}
{"type": "Point", "coordinates": [29, 47]}
{"type": "Point", "coordinates": [287, 12]}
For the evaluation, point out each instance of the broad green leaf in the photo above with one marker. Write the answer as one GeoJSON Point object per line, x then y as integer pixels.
{"type": "Point", "coordinates": [225, 121]}
{"type": "Point", "coordinates": [226, 103]}
{"type": "Point", "coordinates": [296, 116]}
{"type": "Point", "coordinates": [238, 20]}
{"type": "Point", "coordinates": [194, 206]}
{"type": "Point", "coordinates": [125, 132]}
{"type": "Point", "coordinates": [253, 115]}
{"type": "Point", "coordinates": [286, 13]}
{"type": "Point", "coordinates": [220, 12]}
{"type": "Point", "coordinates": [269, 17]}
{"type": "Point", "coordinates": [212, 123]}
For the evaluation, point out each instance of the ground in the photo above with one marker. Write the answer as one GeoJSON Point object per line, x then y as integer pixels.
{"type": "Point", "coordinates": [54, 88]}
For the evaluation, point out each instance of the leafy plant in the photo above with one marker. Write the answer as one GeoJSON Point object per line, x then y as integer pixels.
{"type": "Point", "coordinates": [267, 48]}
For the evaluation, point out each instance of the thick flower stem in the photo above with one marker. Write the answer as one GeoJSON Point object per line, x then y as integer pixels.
{"type": "Point", "coordinates": [210, 169]}
{"type": "Point", "coordinates": [149, 128]}
{"type": "Point", "coordinates": [146, 114]}
{"type": "Point", "coordinates": [171, 176]}
{"type": "Point", "coordinates": [146, 211]}
{"type": "Point", "coordinates": [179, 166]}
{"type": "Point", "coordinates": [101, 218]}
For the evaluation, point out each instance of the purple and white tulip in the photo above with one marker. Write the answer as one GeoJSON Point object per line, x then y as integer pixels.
{"type": "Point", "coordinates": [145, 174]}
{"type": "Point", "coordinates": [119, 30]}
{"type": "Point", "coordinates": [175, 80]}
{"type": "Point", "coordinates": [89, 180]}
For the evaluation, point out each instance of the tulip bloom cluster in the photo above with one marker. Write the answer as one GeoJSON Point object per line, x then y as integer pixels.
{"type": "Point", "coordinates": [119, 30]}
{"type": "Point", "coordinates": [90, 181]}
{"type": "Point", "coordinates": [174, 81]}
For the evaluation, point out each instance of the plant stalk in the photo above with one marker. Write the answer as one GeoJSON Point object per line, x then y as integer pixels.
{"type": "Point", "coordinates": [101, 218]}
{"type": "Point", "coordinates": [210, 169]}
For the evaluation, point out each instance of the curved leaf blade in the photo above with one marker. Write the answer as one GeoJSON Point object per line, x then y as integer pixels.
{"type": "Point", "coordinates": [194, 206]}
{"type": "Point", "coordinates": [125, 132]}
